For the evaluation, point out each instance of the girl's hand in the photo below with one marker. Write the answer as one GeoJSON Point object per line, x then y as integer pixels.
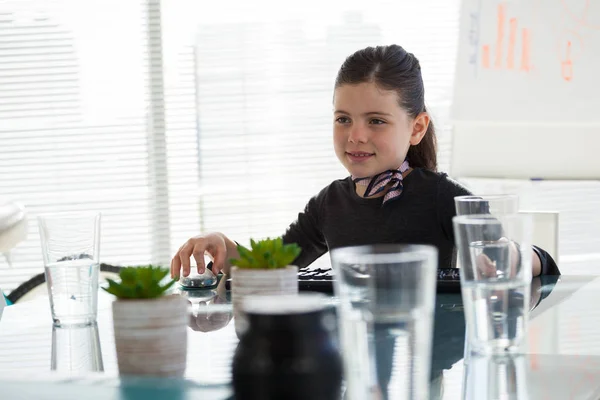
{"type": "Point", "coordinates": [488, 268]}
{"type": "Point", "coordinates": [218, 246]}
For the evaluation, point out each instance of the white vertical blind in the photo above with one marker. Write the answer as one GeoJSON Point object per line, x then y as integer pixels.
{"type": "Point", "coordinates": [75, 113]}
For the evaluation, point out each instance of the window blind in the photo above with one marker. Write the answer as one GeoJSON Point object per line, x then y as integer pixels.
{"type": "Point", "coordinates": [79, 121]}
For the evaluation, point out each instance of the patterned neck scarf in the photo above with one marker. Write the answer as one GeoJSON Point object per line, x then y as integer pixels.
{"type": "Point", "coordinates": [379, 182]}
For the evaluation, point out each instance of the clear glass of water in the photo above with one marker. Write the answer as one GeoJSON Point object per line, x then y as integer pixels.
{"type": "Point", "coordinates": [495, 204]}
{"type": "Point", "coordinates": [76, 349]}
{"type": "Point", "coordinates": [385, 311]}
{"type": "Point", "coordinates": [495, 377]}
{"type": "Point", "coordinates": [495, 255]}
{"type": "Point", "coordinates": [71, 250]}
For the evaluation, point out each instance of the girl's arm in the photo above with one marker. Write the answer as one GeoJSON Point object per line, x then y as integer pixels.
{"type": "Point", "coordinates": [306, 232]}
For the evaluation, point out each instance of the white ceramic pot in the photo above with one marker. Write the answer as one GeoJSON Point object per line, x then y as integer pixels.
{"type": "Point", "coordinates": [247, 282]}
{"type": "Point", "coordinates": [151, 336]}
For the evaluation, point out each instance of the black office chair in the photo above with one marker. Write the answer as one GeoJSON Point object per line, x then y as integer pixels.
{"type": "Point", "coordinates": [36, 283]}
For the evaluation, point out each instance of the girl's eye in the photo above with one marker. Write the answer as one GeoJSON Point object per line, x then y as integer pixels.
{"type": "Point", "coordinates": [376, 121]}
{"type": "Point", "coordinates": [342, 120]}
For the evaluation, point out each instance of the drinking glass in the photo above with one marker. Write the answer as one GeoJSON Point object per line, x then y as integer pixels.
{"type": "Point", "coordinates": [495, 204]}
{"type": "Point", "coordinates": [495, 255]}
{"type": "Point", "coordinates": [386, 303]}
{"type": "Point", "coordinates": [71, 250]}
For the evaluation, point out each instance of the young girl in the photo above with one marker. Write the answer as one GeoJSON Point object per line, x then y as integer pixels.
{"type": "Point", "coordinates": [384, 137]}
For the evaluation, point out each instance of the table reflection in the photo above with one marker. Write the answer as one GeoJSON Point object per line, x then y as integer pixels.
{"type": "Point", "coordinates": [449, 333]}
{"type": "Point", "coordinates": [211, 309]}
{"type": "Point", "coordinates": [76, 349]}
{"type": "Point", "coordinates": [205, 316]}
{"type": "Point", "coordinates": [495, 377]}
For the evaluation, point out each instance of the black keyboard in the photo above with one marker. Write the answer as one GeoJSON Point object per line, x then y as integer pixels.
{"type": "Point", "coordinates": [321, 280]}
{"type": "Point", "coordinates": [448, 280]}
{"type": "Point", "coordinates": [316, 280]}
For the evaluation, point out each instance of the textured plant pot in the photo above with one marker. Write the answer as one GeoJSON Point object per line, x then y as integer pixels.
{"type": "Point", "coordinates": [247, 282]}
{"type": "Point", "coordinates": [151, 336]}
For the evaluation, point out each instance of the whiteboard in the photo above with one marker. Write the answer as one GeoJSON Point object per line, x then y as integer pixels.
{"type": "Point", "coordinates": [531, 61]}
{"type": "Point", "coordinates": [527, 90]}
{"type": "Point", "coordinates": [525, 151]}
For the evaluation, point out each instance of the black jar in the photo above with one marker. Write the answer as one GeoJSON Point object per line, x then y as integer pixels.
{"type": "Point", "coordinates": [288, 350]}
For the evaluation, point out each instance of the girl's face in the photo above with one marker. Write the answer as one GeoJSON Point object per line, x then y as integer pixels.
{"type": "Point", "coordinates": [371, 132]}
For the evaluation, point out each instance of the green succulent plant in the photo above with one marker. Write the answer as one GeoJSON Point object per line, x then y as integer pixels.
{"type": "Point", "coordinates": [266, 254]}
{"type": "Point", "coordinates": [139, 283]}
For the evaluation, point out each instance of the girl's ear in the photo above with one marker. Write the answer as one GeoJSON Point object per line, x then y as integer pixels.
{"type": "Point", "coordinates": [420, 125]}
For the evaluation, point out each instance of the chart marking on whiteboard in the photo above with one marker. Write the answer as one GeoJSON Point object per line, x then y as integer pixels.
{"type": "Point", "coordinates": [505, 48]}
{"type": "Point", "coordinates": [525, 50]}
{"type": "Point", "coordinates": [485, 56]}
{"type": "Point", "coordinates": [501, 15]}
{"type": "Point", "coordinates": [474, 37]}
{"type": "Point", "coordinates": [567, 65]}
{"type": "Point", "coordinates": [512, 42]}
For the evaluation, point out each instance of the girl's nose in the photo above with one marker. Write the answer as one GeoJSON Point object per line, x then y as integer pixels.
{"type": "Point", "coordinates": [358, 135]}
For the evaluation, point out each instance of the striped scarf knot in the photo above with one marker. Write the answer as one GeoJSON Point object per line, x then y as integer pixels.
{"type": "Point", "coordinates": [379, 182]}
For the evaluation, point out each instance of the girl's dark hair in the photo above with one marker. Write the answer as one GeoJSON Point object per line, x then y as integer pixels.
{"type": "Point", "coordinates": [393, 68]}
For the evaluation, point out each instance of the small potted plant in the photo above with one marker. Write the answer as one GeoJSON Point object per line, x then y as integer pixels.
{"type": "Point", "coordinates": [150, 327]}
{"type": "Point", "coordinates": [263, 269]}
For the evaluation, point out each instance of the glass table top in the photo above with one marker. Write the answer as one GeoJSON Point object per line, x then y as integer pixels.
{"type": "Point", "coordinates": [563, 360]}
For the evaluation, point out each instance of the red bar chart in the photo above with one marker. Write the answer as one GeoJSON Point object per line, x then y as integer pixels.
{"type": "Point", "coordinates": [506, 44]}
